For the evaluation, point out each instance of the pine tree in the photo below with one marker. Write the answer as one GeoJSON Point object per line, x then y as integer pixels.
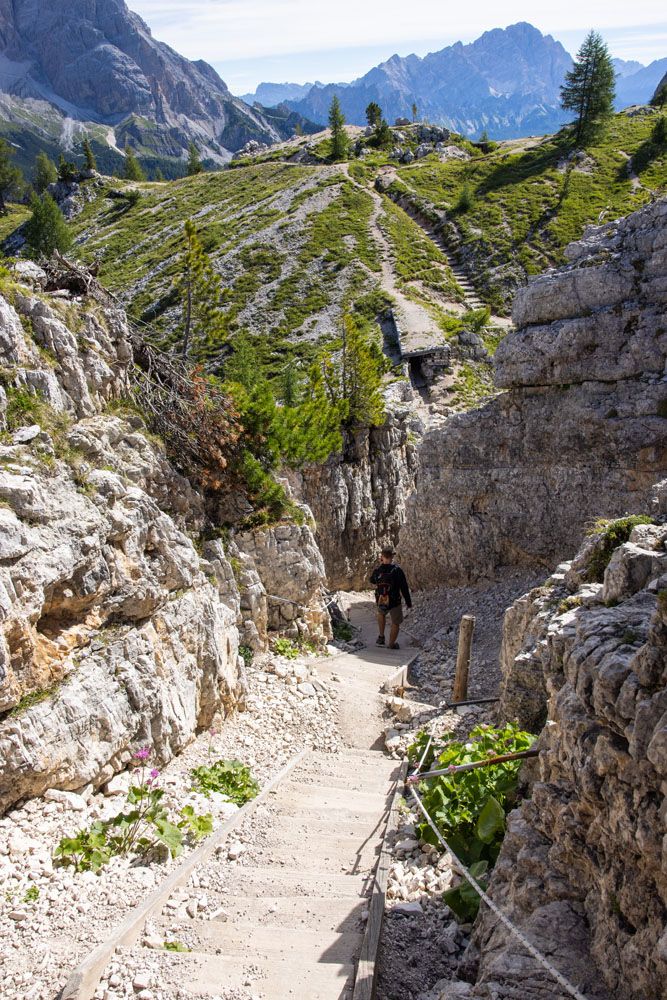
{"type": "Point", "coordinates": [354, 381]}
{"type": "Point", "coordinates": [46, 229]}
{"type": "Point", "coordinates": [195, 165]}
{"type": "Point", "coordinates": [158, 175]}
{"type": "Point", "coordinates": [200, 292]}
{"type": "Point", "coordinates": [484, 137]}
{"type": "Point", "coordinates": [132, 171]}
{"type": "Point", "coordinates": [339, 143]}
{"type": "Point", "coordinates": [384, 137]}
{"type": "Point", "coordinates": [67, 171]}
{"type": "Point", "coordinates": [11, 178]}
{"type": "Point", "coordinates": [414, 111]}
{"type": "Point", "coordinates": [589, 86]}
{"type": "Point", "coordinates": [45, 172]}
{"type": "Point", "coordinates": [374, 115]}
{"type": "Point", "coordinates": [91, 162]}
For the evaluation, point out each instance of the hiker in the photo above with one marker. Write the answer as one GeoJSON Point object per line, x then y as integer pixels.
{"type": "Point", "coordinates": [390, 586]}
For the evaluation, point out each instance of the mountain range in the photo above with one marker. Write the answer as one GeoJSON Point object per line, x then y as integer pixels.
{"type": "Point", "coordinates": [75, 68]}
{"type": "Point", "coordinates": [69, 67]}
{"type": "Point", "coordinates": [507, 82]}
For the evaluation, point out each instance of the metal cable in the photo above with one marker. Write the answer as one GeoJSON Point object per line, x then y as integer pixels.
{"type": "Point", "coordinates": [537, 955]}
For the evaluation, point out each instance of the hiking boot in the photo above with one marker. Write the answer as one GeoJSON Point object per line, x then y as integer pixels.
{"type": "Point", "coordinates": [379, 641]}
{"type": "Point", "coordinates": [394, 645]}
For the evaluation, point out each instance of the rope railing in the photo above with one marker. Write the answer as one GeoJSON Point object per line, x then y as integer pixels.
{"type": "Point", "coordinates": [511, 927]}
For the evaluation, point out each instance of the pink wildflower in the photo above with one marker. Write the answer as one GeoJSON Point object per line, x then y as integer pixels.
{"type": "Point", "coordinates": [155, 773]}
{"type": "Point", "coordinates": [143, 754]}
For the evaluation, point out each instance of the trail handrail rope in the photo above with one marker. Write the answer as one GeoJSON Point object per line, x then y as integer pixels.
{"type": "Point", "coordinates": [458, 768]}
{"type": "Point", "coordinates": [423, 756]}
{"type": "Point", "coordinates": [519, 935]}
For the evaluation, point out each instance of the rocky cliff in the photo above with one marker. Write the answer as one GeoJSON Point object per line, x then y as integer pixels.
{"type": "Point", "coordinates": [580, 430]}
{"type": "Point", "coordinates": [582, 867]}
{"type": "Point", "coordinates": [359, 501]}
{"type": "Point", "coordinates": [119, 623]}
{"type": "Point", "coordinates": [98, 62]}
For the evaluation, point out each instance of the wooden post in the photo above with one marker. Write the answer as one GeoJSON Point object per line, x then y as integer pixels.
{"type": "Point", "coordinates": [463, 658]}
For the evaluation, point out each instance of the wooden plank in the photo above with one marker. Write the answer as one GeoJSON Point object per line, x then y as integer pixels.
{"type": "Point", "coordinates": [364, 986]}
{"type": "Point", "coordinates": [83, 982]}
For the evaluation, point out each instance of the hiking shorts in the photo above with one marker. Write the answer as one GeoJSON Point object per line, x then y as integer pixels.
{"type": "Point", "coordinates": [395, 614]}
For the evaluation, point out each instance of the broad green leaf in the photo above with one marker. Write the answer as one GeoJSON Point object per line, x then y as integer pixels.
{"type": "Point", "coordinates": [491, 820]}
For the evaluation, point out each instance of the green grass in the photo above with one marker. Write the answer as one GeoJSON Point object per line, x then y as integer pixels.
{"type": "Point", "coordinates": [416, 257]}
{"type": "Point", "coordinates": [16, 215]}
{"type": "Point", "coordinates": [523, 208]}
{"type": "Point", "coordinates": [297, 270]}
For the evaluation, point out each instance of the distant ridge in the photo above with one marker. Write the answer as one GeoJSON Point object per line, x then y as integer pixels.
{"type": "Point", "coordinates": [507, 82]}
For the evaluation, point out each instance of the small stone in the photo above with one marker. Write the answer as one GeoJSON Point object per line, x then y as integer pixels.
{"type": "Point", "coordinates": [141, 981]}
{"type": "Point", "coordinates": [26, 434]}
{"type": "Point", "coordinates": [408, 909]}
{"type": "Point", "coordinates": [307, 690]}
{"type": "Point", "coordinates": [235, 850]}
{"type": "Point", "coordinates": [18, 915]}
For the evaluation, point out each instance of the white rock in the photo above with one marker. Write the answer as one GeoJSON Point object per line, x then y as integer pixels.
{"type": "Point", "coordinates": [68, 799]}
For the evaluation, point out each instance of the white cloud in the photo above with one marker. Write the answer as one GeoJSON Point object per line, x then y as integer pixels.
{"type": "Point", "coordinates": [219, 30]}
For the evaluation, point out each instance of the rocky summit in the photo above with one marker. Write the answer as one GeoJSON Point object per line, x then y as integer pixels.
{"type": "Point", "coordinates": [98, 64]}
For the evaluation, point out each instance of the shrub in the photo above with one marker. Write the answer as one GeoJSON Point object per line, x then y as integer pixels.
{"type": "Point", "coordinates": [465, 200]}
{"type": "Point", "coordinates": [228, 777]}
{"type": "Point", "coordinates": [612, 534]}
{"type": "Point", "coordinates": [469, 808]}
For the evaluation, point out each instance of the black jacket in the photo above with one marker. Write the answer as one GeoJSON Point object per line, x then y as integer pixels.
{"type": "Point", "coordinates": [398, 585]}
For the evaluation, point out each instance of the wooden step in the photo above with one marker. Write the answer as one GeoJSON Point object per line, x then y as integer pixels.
{"type": "Point", "coordinates": [313, 912]}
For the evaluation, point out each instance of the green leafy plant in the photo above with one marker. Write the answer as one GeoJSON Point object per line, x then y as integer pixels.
{"type": "Point", "coordinates": [463, 900]}
{"type": "Point", "coordinates": [176, 946]}
{"type": "Point", "coordinates": [228, 777]}
{"type": "Point", "coordinates": [285, 647]}
{"type": "Point", "coordinates": [469, 807]}
{"type": "Point", "coordinates": [31, 894]}
{"type": "Point", "coordinates": [246, 654]}
{"type": "Point", "coordinates": [138, 830]}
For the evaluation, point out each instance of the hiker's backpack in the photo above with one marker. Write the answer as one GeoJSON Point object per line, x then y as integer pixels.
{"type": "Point", "coordinates": [383, 588]}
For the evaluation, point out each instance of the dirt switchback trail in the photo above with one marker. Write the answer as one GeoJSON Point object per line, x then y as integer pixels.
{"type": "Point", "coordinates": [418, 330]}
{"type": "Point", "coordinates": [287, 894]}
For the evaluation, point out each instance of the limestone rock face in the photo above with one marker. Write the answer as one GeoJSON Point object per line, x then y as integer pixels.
{"type": "Point", "coordinates": [580, 432]}
{"type": "Point", "coordinates": [114, 632]}
{"type": "Point", "coordinates": [359, 503]}
{"type": "Point", "coordinates": [585, 851]}
{"type": "Point", "coordinates": [100, 62]}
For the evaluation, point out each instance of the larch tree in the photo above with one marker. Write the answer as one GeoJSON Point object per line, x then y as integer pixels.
{"type": "Point", "coordinates": [91, 162]}
{"type": "Point", "coordinates": [339, 142]}
{"type": "Point", "coordinates": [414, 111]}
{"type": "Point", "coordinates": [195, 165]}
{"type": "Point", "coordinates": [132, 171]}
{"type": "Point", "coordinates": [354, 380]}
{"type": "Point", "coordinates": [200, 292]}
{"type": "Point", "coordinates": [46, 230]}
{"type": "Point", "coordinates": [589, 87]}
{"type": "Point", "coordinates": [44, 173]}
{"type": "Point", "coordinates": [11, 178]}
{"type": "Point", "coordinates": [374, 114]}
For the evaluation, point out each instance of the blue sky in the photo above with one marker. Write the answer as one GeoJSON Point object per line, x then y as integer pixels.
{"type": "Point", "coordinates": [302, 40]}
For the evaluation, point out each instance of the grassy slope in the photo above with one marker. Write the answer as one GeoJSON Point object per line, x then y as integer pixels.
{"type": "Point", "coordinates": [527, 206]}
{"type": "Point", "coordinates": [291, 242]}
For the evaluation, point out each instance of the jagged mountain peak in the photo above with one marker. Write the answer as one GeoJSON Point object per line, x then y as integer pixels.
{"type": "Point", "coordinates": [98, 62]}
